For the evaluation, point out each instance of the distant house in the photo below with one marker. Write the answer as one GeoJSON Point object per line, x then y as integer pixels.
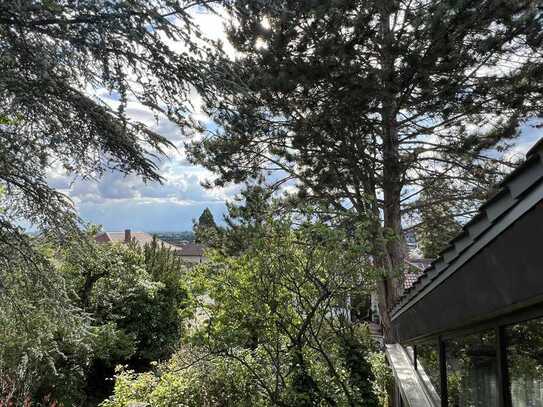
{"type": "Point", "coordinates": [413, 271]}
{"type": "Point", "coordinates": [189, 252]}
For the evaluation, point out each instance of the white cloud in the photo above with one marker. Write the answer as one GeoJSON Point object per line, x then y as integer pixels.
{"type": "Point", "coordinates": [116, 200]}
{"type": "Point", "coordinates": [212, 25]}
{"type": "Point", "coordinates": [120, 201]}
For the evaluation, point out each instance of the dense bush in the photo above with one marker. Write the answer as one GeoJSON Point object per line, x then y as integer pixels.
{"type": "Point", "coordinates": [89, 308]}
{"type": "Point", "coordinates": [189, 379]}
{"type": "Point", "coordinates": [45, 340]}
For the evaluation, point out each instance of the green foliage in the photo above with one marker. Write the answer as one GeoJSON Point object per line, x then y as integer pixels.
{"type": "Point", "coordinates": [55, 52]}
{"type": "Point", "coordinates": [57, 57]}
{"type": "Point", "coordinates": [526, 362]}
{"type": "Point", "coordinates": [384, 380]}
{"type": "Point", "coordinates": [188, 380]}
{"type": "Point", "coordinates": [286, 301]}
{"type": "Point", "coordinates": [272, 325]}
{"type": "Point", "coordinates": [438, 216]}
{"type": "Point", "coordinates": [206, 230]}
{"type": "Point", "coordinates": [206, 219]}
{"type": "Point", "coordinates": [358, 104]}
{"type": "Point", "coordinates": [371, 97]}
{"type": "Point", "coordinates": [245, 218]}
{"type": "Point", "coordinates": [135, 296]}
{"type": "Point", "coordinates": [176, 238]}
{"type": "Point", "coordinates": [86, 307]}
{"type": "Point", "coordinates": [46, 340]}
{"type": "Point", "coordinates": [111, 283]}
{"type": "Point", "coordinates": [165, 312]}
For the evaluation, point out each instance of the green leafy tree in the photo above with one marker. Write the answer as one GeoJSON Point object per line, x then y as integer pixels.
{"type": "Point", "coordinates": [165, 313]}
{"type": "Point", "coordinates": [271, 326]}
{"type": "Point", "coordinates": [46, 340]}
{"type": "Point", "coordinates": [57, 57]}
{"type": "Point", "coordinates": [190, 379]}
{"type": "Point", "coordinates": [360, 103]}
{"type": "Point", "coordinates": [246, 217]}
{"type": "Point", "coordinates": [206, 219]}
{"type": "Point", "coordinates": [86, 307]}
{"type": "Point", "coordinates": [282, 310]}
{"type": "Point", "coordinates": [135, 297]}
{"type": "Point", "coordinates": [111, 284]}
{"type": "Point", "coordinates": [439, 218]}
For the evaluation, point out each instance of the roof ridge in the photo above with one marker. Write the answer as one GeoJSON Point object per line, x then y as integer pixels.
{"type": "Point", "coordinates": [509, 194]}
{"type": "Point", "coordinates": [535, 148]}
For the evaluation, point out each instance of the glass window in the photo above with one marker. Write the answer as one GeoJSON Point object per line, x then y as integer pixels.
{"type": "Point", "coordinates": [428, 367]}
{"type": "Point", "coordinates": [471, 370]}
{"type": "Point", "coordinates": [525, 362]}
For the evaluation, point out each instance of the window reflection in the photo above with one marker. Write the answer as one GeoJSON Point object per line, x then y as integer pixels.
{"type": "Point", "coordinates": [525, 362]}
{"type": "Point", "coordinates": [428, 367]}
{"type": "Point", "coordinates": [471, 370]}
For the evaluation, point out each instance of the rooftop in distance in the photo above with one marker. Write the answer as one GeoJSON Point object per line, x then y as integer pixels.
{"type": "Point", "coordinates": [191, 252]}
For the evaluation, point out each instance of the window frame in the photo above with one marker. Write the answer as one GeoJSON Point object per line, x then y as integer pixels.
{"type": "Point", "coordinates": [499, 324]}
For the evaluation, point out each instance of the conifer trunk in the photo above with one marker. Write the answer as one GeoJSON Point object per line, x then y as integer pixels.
{"type": "Point", "coordinates": [393, 253]}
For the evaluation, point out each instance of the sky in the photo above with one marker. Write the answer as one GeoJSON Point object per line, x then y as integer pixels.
{"type": "Point", "coordinates": [119, 202]}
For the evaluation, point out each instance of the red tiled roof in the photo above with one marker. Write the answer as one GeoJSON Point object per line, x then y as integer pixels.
{"type": "Point", "coordinates": [410, 277]}
{"type": "Point", "coordinates": [415, 271]}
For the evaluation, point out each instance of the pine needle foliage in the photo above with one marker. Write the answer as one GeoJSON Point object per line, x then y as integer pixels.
{"type": "Point", "coordinates": [364, 103]}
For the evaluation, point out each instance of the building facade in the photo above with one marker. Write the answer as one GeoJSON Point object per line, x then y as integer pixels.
{"type": "Point", "coordinates": [469, 331]}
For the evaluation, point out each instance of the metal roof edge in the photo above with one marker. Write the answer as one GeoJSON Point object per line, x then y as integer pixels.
{"type": "Point", "coordinates": [515, 187]}
{"type": "Point", "coordinates": [535, 196]}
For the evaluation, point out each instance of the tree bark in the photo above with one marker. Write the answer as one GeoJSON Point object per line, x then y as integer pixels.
{"type": "Point", "coordinates": [392, 258]}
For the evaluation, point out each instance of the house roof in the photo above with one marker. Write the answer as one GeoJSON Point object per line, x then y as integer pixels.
{"type": "Point", "coordinates": [191, 249]}
{"type": "Point", "coordinates": [141, 238]}
{"type": "Point", "coordinates": [409, 278]}
{"type": "Point", "coordinates": [412, 274]}
{"type": "Point", "coordinates": [517, 193]}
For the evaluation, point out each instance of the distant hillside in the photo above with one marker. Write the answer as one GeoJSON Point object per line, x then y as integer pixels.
{"type": "Point", "coordinates": [177, 238]}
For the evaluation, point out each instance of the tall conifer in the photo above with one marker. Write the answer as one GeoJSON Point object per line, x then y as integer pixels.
{"type": "Point", "coordinates": [364, 102]}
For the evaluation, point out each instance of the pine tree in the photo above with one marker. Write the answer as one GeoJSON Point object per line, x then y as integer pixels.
{"type": "Point", "coordinates": [361, 103]}
{"type": "Point", "coordinates": [206, 219]}
{"type": "Point", "coordinates": [206, 230]}
{"type": "Point", "coordinates": [245, 217]}
{"type": "Point", "coordinates": [438, 219]}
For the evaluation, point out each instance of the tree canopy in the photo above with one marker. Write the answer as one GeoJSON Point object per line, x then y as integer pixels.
{"type": "Point", "coordinates": [91, 306]}
{"type": "Point", "coordinates": [272, 325]}
{"type": "Point", "coordinates": [348, 122]}
{"type": "Point", "coordinates": [365, 104]}
{"type": "Point", "coordinates": [288, 308]}
{"type": "Point", "coordinates": [57, 59]}
{"type": "Point", "coordinates": [206, 230]}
